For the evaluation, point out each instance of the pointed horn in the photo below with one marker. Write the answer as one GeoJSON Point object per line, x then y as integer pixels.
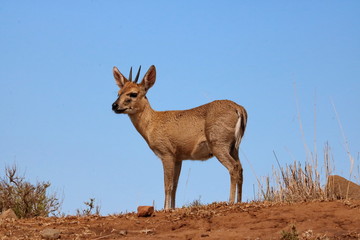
{"type": "Point", "coordinates": [130, 75]}
{"type": "Point", "coordinates": [137, 75]}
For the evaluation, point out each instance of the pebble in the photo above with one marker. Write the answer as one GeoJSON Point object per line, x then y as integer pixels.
{"type": "Point", "coordinates": [50, 233]}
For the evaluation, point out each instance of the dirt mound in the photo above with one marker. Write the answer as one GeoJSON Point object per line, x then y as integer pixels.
{"type": "Point", "coordinates": [342, 188]}
{"type": "Point", "coordinates": [311, 220]}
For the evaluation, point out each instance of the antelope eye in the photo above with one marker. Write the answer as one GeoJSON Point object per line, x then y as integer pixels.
{"type": "Point", "coordinates": [133, 95]}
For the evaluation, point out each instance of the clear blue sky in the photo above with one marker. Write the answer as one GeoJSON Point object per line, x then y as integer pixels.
{"type": "Point", "coordinates": [56, 89]}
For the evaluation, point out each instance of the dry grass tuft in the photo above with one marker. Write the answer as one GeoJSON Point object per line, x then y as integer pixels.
{"type": "Point", "coordinates": [297, 182]}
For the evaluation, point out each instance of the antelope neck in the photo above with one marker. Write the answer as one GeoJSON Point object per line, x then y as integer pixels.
{"type": "Point", "coordinates": [142, 119]}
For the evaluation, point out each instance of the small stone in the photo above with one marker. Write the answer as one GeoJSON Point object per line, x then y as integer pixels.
{"type": "Point", "coordinates": [147, 231]}
{"type": "Point", "coordinates": [50, 233]}
{"type": "Point", "coordinates": [145, 211]}
{"type": "Point", "coordinates": [8, 214]}
{"type": "Point", "coordinates": [123, 233]}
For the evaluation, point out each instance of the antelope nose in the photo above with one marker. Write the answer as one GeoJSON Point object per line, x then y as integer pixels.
{"type": "Point", "coordinates": [114, 106]}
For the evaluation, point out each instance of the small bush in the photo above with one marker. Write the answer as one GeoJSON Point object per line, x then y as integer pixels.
{"type": "Point", "coordinates": [27, 200]}
{"type": "Point", "coordinates": [291, 234]}
{"type": "Point", "coordinates": [195, 203]}
{"type": "Point", "coordinates": [90, 206]}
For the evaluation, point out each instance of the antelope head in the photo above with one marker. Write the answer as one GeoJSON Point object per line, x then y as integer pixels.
{"type": "Point", "coordinates": [132, 96]}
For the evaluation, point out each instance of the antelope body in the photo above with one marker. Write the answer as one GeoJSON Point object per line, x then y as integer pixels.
{"type": "Point", "coordinates": [213, 129]}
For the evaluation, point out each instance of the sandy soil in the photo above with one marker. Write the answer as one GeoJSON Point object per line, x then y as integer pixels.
{"type": "Point", "coordinates": [312, 220]}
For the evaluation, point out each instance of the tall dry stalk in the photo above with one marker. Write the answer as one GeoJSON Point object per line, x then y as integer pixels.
{"type": "Point", "coordinates": [346, 143]}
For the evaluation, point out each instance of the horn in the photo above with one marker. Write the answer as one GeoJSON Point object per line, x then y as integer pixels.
{"type": "Point", "coordinates": [137, 75]}
{"type": "Point", "coordinates": [130, 75]}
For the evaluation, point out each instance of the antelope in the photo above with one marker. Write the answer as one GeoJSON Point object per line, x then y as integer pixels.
{"type": "Point", "coordinates": [213, 129]}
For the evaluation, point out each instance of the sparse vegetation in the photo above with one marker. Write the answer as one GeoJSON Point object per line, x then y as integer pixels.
{"type": "Point", "coordinates": [25, 199]}
{"type": "Point", "coordinates": [195, 203]}
{"type": "Point", "coordinates": [303, 182]}
{"type": "Point", "coordinates": [90, 207]}
{"type": "Point", "coordinates": [290, 234]}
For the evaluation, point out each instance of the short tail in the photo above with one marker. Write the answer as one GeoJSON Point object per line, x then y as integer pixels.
{"type": "Point", "coordinates": [240, 127]}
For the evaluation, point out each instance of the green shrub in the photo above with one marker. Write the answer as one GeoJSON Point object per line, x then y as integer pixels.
{"type": "Point", "coordinates": [27, 200]}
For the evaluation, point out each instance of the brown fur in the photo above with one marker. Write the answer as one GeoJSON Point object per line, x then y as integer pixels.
{"type": "Point", "coordinates": [195, 134]}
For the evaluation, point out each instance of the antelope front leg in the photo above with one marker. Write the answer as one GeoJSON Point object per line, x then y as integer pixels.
{"type": "Point", "coordinates": [171, 172]}
{"type": "Point", "coordinates": [177, 171]}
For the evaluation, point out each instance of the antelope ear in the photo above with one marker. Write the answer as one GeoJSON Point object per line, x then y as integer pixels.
{"type": "Point", "coordinates": [119, 78]}
{"type": "Point", "coordinates": [149, 78]}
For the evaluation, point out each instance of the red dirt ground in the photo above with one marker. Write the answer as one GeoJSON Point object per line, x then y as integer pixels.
{"type": "Point", "coordinates": [313, 220]}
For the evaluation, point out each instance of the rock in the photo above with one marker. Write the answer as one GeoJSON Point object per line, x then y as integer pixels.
{"type": "Point", "coordinates": [50, 233]}
{"type": "Point", "coordinates": [145, 211]}
{"type": "Point", "coordinates": [8, 214]}
{"type": "Point", "coordinates": [342, 188]}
